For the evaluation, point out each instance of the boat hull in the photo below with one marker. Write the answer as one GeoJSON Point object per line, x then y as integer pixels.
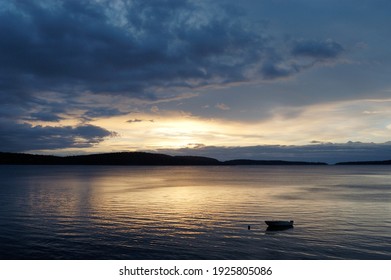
{"type": "Point", "coordinates": [279, 224]}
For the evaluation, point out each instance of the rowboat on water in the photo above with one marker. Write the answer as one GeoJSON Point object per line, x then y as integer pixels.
{"type": "Point", "coordinates": [279, 224]}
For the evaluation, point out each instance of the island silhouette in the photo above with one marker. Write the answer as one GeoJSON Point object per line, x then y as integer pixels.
{"type": "Point", "coordinates": [144, 158]}
{"type": "Point", "coordinates": [133, 158]}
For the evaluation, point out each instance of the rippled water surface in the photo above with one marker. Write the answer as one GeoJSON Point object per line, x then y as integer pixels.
{"type": "Point", "coordinates": [122, 212]}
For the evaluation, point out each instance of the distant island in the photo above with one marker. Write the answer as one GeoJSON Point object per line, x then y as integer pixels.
{"type": "Point", "coordinates": [144, 158]}
{"type": "Point", "coordinates": [269, 162]}
{"type": "Point", "coordinates": [133, 158]}
{"type": "Point", "coordinates": [383, 162]}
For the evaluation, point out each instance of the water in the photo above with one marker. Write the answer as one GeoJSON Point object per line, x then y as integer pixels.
{"type": "Point", "coordinates": [122, 212]}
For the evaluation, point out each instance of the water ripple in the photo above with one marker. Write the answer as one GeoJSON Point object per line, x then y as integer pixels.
{"type": "Point", "coordinates": [194, 212]}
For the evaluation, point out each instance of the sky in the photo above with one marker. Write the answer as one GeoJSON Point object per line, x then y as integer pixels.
{"type": "Point", "coordinates": [262, 79]}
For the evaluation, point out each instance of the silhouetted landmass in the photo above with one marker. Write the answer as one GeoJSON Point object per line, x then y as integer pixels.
{"type": "Point", "coordinates": [16, 158]}
{"type": "Point", "coordinates": [384, 162]}
{"type": "Point", "coordinates": [133, 158]}
{"type": "Point", "coordinates": [139, 158]}
{"type": "Point", "coordinates": [269, 162]}
{"type": "Point", "coordinates": [142, 158]}
{"type": "Point", "coordinates": [125, 158]}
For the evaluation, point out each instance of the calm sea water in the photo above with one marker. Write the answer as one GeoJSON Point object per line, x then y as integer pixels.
{"type": "Point", "coordinates": [119, 212]}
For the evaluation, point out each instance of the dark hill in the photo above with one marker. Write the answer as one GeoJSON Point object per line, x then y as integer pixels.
{"type": "Point", "coordinates": [133, 158]}
{"type": "Point", "coordinates": [17, 158]}
{"type": "Point", "coordinates": [269, 162]}
{"type": "Point", "coordinates": [384, 162]}
{"type": "Point", "coordinates": [138, 158]}
{"type": "Point", "coordinates": [125, 158]}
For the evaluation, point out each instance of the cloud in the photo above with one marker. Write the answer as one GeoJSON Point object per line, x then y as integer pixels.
{"type": "Point", "coordinates": [139, 121]}
{"type": "Point", "coordinates": [222, 106]}
{"type": "Point", "coordinates": [134, 121]}
{"type": "Point", "coordinates": [316, 49]}
{"type": "Point", "coordinates": [86, 60]}
{"type": "Point", "coordinates": [82, 45]}
{"type": "Point", "coordinates": [272, 70]}
{"type": "Point", "coordinates": [99, 112]}
{"type": "Point", "coordinates": [302, 55]}
{"type": "Point", "coordinates": [44, 116]}
{"type": "Point", "coordinates": [141, 49]}
{"type": "Point", "coordinates": [25, 137]}
{"type": "Point", "coordinates": [323, 152]}
{"type": "Point", "coordinates": [155, 109]}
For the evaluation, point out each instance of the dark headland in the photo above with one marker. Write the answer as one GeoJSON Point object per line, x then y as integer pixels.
{"type": "Point", "coordinates": [143, 158]}
{"type": "Point", "coordinates": [133, 158]}
{"type": "Point", "coordinates": [383, 162]}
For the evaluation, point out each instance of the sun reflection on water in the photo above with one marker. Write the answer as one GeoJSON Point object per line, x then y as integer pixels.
{"type": "Point", "coordinates": [146, 211]}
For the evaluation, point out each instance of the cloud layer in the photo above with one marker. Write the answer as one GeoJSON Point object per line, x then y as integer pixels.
{"type": "Point", "coordinates": [317, 49]}
{"type": "Point", "coordinates": [24, 137]}
{"type": "Point", "coordinates": [316, 152]}
{"type": "Point", "coordinates": [132, 48]}
{"type": "Point", "coordinates": [68, 67]}
{"type": "Point", "coordinates": [138, 48]}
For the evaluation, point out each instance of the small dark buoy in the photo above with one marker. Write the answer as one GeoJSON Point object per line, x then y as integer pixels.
{"type": "Point", "coordinates": [248, 227]}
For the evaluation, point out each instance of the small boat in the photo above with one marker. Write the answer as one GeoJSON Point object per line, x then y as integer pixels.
{"type": "Point", "coordinates": [279, 224]}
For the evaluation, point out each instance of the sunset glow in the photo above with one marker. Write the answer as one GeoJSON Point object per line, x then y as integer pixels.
{"type": "Point", "coordinates": [85, 77]}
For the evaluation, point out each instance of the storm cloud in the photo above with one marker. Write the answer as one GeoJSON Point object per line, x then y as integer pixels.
{"type": "Point", "coordinates": [24, 137]}
{"type": "Point", "coordinates": [69, 68]}
{"type": "Point", "coordinates": [135, 48]}
{"type": "Point", "coordinates": [317, 49]}
{"type": "Point", "coordinates": [122, 47]}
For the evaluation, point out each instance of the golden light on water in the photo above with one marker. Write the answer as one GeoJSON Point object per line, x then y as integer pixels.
{"type": "Point", "coordinates": [139, 211]}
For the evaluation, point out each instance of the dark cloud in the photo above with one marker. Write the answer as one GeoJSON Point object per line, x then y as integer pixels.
{"type": "Point", "coordinates": [25, 137]}
{"type": "Point", "coordinates": [274, 70]}
{"type": "Point", "coordinates": [134, 48]}
{"type": "Point", "coordinates": [324, 152]}
{"type": "Point", "coordinates": [139, 121]}
{"type": "Point", "coordinates": [317, 49]}
{"type": "Point", "coordinates": [134, 121]}
{"type": "Point", "coordinates": [79, 45]}
{"type": "Point", "coordinates": [99, 112]}
{"type": "Point", "coordinates": [44, 116]}
{"type": "Point", "coordinates": [142, 49]}
{"type": "Point", "coordinates": [303, 54]}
